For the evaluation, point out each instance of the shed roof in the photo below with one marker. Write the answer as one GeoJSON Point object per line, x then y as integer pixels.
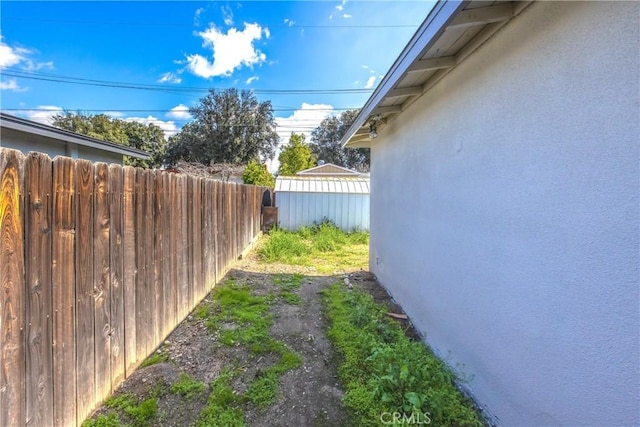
{"type": "Point", "coordinates": [320, 184]}
{"type": "Point", "coordinates": [28, 126]}
{"type": "Point", "coordinates": [328, 169]}
{"type": "Point", "coordinates": [450, 33]}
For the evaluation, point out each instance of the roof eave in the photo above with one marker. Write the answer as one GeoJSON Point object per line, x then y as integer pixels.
{"type": "Point", "coordinates": [28, 126]}
{"type": "Point", "coordinates": [435, 23]}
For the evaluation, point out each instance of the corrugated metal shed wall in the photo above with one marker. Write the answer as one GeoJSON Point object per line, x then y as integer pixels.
{"type": "Point", "coordinates": [303, 201]}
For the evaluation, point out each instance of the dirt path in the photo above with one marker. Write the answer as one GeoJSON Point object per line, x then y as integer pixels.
{"type": "Point", "coordinates": [309, 395]}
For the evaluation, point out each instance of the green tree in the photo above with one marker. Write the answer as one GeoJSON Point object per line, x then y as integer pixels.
{"type": "Point", "coordinates": [257, 174]}
{"type": "Point", "coordinates": [295, 156]}
{"type": "Point", "coordinates": [229, 126]}
{"type": "Point", "coordinates": [325, 142]}
{"type": "Point", "coordinates": [145, 137]}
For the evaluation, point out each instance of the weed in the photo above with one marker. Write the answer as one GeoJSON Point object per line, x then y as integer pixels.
{"type": "Point", "coordinates": [284, 245]}
{"type": "Point", "coordinates": [263, 390]}
{"type": "Point", "coordinates": [287, 285]}
{"type": "Point", "coordinates": [243, 319]}
{"type": "Point", "coordinates": [223, 407]}
{"type": "Point", "coordinates": [144, 412]}
{"type": "Point", "coordinates": [154, 358]}
{"type": "Point", "coordinates": [121, 401]}
{"type": "Point", "coordinates": [141, 413]}
{"type": "Point", "coordinates": [106, 420]}
{"type": "Point", "coordinates": [384, 371]}
{"type": "Point", "coordinates": [187, 386]}
{"type": "Point", "coordinates": [323, 246]}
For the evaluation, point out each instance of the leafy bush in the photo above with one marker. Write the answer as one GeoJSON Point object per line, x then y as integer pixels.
{"type": "Point", "coordinates": [257, 174]}
{"type": "Point", "coordinates": [384, 371]}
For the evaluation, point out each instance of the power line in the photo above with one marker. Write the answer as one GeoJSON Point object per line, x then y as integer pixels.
{"type": "Point", "coordinates": [129, 110]}
{"type": "Point", "coordinates": [173, 24]}
{"type": "Point", "coordinates": [11, 72]}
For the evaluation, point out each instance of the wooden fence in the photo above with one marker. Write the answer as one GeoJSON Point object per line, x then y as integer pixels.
{"type": "Point", "coordinates": [98, 264]}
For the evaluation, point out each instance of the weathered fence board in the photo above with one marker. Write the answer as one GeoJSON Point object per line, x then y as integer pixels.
{"type": "Point", "coordinates": [98, 264]}
{"type": "Point", "coordinates": [141, 248]}
{"type": "Point", "coordinates": [129, 269]}
{"type": "Point", "coordinates": [85, 301]}
{"type": "Point", "coordinates": [101, 280]}
{"type": "Point", "coordinates": [39, 366]}
{"type": "Point", "coordinates": [158, 265]}
{"type": "Point", "coordinates": [12, 293]}
{"type": "Point", "coordinates": [63, 292]}
{"type": "Point", "coordinates": [116, 272]}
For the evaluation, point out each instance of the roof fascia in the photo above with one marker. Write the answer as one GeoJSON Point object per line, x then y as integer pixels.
{"type": "Point", "coordinates": [28, 126]}
{"type": "Point", "coordinates": [434, 24]}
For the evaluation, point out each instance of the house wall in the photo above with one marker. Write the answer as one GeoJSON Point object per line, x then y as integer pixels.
{"type": "Point", "coordinates": [25, 142]}
{"type": "Point", "coordinates": [505, 216]}
{"type": "Point", "coordinates": [348, 211]}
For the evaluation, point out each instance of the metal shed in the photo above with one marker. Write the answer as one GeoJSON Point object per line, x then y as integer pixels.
{"type": "Point", "coordinates": [303, 200]}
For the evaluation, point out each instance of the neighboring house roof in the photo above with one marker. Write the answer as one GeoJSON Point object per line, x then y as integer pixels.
{"type": "Point", "coordinates": [316, 184]}
{"type": "Point", "coordinates": [450, 33]}
{"type": "Point", "coordinates": [328, 169]}
{"type": "Point", "coordinates": [27, 126]}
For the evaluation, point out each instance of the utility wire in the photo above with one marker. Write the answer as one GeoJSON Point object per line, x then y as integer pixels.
{"type": "Point", "coordinates": [173, 24]}
{"type": "Point", "coordinates": [11, 72]}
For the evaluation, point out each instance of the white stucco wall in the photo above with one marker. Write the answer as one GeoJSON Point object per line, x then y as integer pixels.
{"type": "Point", "coordinates": [505, 216]}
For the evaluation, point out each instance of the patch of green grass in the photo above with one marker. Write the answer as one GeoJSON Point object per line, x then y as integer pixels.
{"type": "Point", "coordinates": [154, 358]}
{"type": "Point", "coordinates": [384, 371]}
{"type": "Point", "coordinates": [323, 246]}
{"type": "Point", "coordinates": [243, 319]}
{"type": "Point", "coordinates": [263, 389]}
{"type": "Point", "coordinates": [141, 413]}
{"type": "Point", "coordinates": [287, 285]}
{"type": "Point", "coordinates": [106, 420]}
{"type": "Point", "coordinates": [224, 406]}
{"type": "Point", "coordinates": [284, 245]}
{"type": "Point", "coordinates": [186, 386]}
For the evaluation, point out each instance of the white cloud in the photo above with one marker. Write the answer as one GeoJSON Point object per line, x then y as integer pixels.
{"type": "Point", "coordinates": [114, 114]}
{"type": "Point", "coordinates": [169, 78]}
{"type": "Point", "coordinates": [179, 112]}
{"type": "Point", "coordinates": [289, 22]}
{"type": "Point", "coordinates": [370, 82]}
{"type": "Point", "coordinates": [10, 56]}
{"type": "Point", "coordinates": [227, 14]}
{"type": "Point", "coordinates": [43, 113]}
{"type": "Point", "coordinates": [12, 85]}
{"type": "Point", "coordinates": [169, 127]}
{"type": "Point", "coordinates": [230, 51]}
{"type": "Point", "coordinates": [346, 16]}
{"type": "Point", "coordinates": [340, 7]}
{"type": "Point", "coordinates": [19, 56]}
{"type": "Point", "coordinates": [252, 79]}
{"type": "Point", "coordinates": [303, 121]}
{"type": "Point", "coordinates": [196, 16]}
{"type": "Point", "coordinates": [267, 33]}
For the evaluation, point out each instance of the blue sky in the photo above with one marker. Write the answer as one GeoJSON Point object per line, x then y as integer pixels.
{"type": "Point", "coordinates": [150, 61]}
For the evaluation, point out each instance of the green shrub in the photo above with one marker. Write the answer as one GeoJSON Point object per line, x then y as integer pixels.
{"type": "Point", "coordinates": [384, 371]}
{"type": "Point", "coordinates": [257, 174]}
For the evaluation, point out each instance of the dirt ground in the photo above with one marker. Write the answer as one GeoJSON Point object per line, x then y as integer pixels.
{"type": "Point", "coordinates": [309, 395]}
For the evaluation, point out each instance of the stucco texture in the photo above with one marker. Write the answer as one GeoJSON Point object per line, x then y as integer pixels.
{"type": "Point", "coordinates": [505, 216]}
